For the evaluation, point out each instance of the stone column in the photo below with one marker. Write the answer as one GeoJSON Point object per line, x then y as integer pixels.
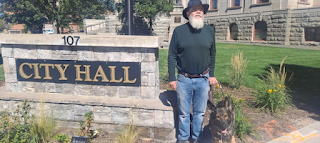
{"type": "Point", "coordinates": [176, 17]}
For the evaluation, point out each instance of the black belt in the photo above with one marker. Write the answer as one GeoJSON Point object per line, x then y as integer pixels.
{"type": "Point", "coordinates": [194, 75]}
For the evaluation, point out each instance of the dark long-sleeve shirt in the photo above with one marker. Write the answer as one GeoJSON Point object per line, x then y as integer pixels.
{"type": "Point", "coordinates": [192, 51]}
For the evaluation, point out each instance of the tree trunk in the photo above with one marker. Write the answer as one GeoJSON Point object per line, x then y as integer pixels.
{"type": "Point", "coordinates": [150, 26]}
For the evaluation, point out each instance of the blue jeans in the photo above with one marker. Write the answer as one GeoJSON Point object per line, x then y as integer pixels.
{"type": "Point", "coordinates": [188, 90]}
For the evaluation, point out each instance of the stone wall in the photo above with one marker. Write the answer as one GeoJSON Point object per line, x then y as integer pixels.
{"type": "Point", "coordinates": [148, 57]}
{"type": "Point", "coordinates": [113, 106]}
{"type": "Point", "coordinates": [284, 27]}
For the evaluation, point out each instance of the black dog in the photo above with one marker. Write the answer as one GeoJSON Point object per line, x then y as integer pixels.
{"type": "Point", "coordinates": [222, 120]}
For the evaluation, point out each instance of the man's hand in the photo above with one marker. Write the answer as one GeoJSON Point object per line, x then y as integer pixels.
{"type": "Point", "coordinates": [173, 84]}
{"type": "Point", "coordinates": [213, 80]}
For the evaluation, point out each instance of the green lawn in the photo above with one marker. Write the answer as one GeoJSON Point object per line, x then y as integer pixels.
{"type": "Point", "coordinates": [305, 64]}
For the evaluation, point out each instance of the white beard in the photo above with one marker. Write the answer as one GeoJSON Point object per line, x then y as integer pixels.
{"type": "Point", "coordinates": [196, 23]}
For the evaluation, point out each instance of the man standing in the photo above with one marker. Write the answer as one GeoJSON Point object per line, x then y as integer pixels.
{"type": "Point", "coordinates": [192, 50]}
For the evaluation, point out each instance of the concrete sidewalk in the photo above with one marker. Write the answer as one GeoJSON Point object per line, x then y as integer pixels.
{"type": "Point", "coordinates": [308, 134]}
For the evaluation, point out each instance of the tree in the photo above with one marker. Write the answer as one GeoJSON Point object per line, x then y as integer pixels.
{"type": "Point", "coordinates": [3, 25]}
{"type": "Point", "coordinates": [148, 9]}
{"type": "Point", "coordinates": [20, 11]}
{"type": "Point", "coordinates": [58, 12]}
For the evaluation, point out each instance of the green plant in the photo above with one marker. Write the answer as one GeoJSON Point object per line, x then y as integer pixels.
{"type": "Point", "coordinates": [272, 92]}
{"type": "Point", "coordinates": [130, 133]}
{"type": "Point", "coordinates": [86, 125]}
{"type": "Point", "coordinates": [62, 138]}
{"type": "Point", "coordinates": [238, 68]}
{"type": "Point", "coordinates": [16, 127]}
{"type": "Point", "coordinates": [43, 124]}
{"type": "Point", "coordinates": [243, 125]}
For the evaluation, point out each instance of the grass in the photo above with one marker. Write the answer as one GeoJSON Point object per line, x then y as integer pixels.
{"type": "Point", "coordinates": [304, 63]}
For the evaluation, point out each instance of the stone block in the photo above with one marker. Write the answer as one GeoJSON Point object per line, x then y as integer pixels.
{"type": "Point", "coordinates": [7, 51]}
{"type": "Point", "coordinates": [39, 87]}
{"type": "Point", "coordinates": [148, 57]}
{"type": "Point", "coordinates": [102, 114]}
{"type": "Point", "coordinates": [64, 111]}
{"type": "Point", "coordinates": [10, 77]}
{"type": "Point", "coordinates": [148, 66]}
{"type": "Point", "coordinates": [12, 87]}
{"type": "Point", "coordinates": [26, 86]}
{"type": "Point", "coordinates": [107, 54]}
{"type": "Point", "coordinates": [143, 117]}
{"type": "Point", "coordinates": [151, 79]}
{"type": "Point", "coordinates": [121, 115]}
{"type": "Point", "coordinates": [129, 92]}
{"type": "Point", "coordinates": [144, 80]}
{"type": "Point", "coordinates": [82, 89]}
{"type": "Point", "coordinates": [164, 119]}
{"type": "Point", "coordinates": [130, 57]}
{"type": "Point", "coordinates": [148, 92]}
{"type": "Point", "coordinates": [50, 88]}
{"type": "Point", "coordinates": [85, 55]}
{"type": "Point", "coordinates": [109, 91]}
{"type": "Point", "coordinates": [64, 50]}
{"type": "Point", "coordinates": [80, 111]}
{"type": "Point", "coordinates": [67, 88]}
{"type": "Point", "coordinates": [44, 52]}
{"type": "Point", "coordinates": [24, 51]}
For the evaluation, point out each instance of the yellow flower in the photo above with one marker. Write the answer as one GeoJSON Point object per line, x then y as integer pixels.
{"type": "Point", "coordinates": [270, 90]}
{"type": "Point", "coordinates": [274, 90]}
{"type": "Point", "coordinates": [279, 85]}
{"type": "Point", "coordinates": [218, 85]}
{"type": "Point", "coordinates": [284, 86]}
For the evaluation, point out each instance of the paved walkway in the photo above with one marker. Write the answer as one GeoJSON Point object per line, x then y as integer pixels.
{"type": "Point", "coordinates": [308, 134]}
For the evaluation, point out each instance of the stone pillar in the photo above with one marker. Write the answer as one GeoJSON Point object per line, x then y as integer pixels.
{"type": "Point", "coordinates": [176, 17]}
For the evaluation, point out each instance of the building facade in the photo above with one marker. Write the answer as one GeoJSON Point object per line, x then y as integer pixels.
{"type": "Point", "coordinates": [281, 22]}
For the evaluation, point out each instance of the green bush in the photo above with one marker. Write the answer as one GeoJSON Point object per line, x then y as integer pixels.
{"type": "Point", "coordinates": [15, 128]}
{"type": "Point", "coordinates": [62, 138]}
{"type": "Point", "coordinates": [272, 94]}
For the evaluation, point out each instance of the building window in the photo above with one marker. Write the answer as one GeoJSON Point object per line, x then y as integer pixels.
{"type": "Point", "coordinates": [312, 34]}
{"type": "Point", "coordinates": [235, 3]}
{"type": "Point", "coordinates": [233, 29]}
{"type": "Point", "coordinates": [303, 1]}
{"type": "Point", "coordinates": [260, 31]}
{"type": "Point", "coordinates": [262, 1]}
{"type": "Point", "coordinates": [213, 4]}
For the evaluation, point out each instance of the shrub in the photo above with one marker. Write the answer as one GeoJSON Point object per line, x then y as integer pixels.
{"type": "Point", "coordinates": [129, 133]}
{"type": "Point", "coordinates": [43, 124]}
{"type": "Point", "coordinates": [62, 138]}
{"type": "Point", "coordinates": [16, 127]}
{"type": "Point", "coordinates": [272, 94]}
{"type": "Point", "coordinates": [238, 68]}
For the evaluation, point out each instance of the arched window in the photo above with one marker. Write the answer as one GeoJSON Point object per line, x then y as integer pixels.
{"type": "Point", "coordinates": [233, 31]}
{"type": "Point", "coordinates": [260, 31]}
